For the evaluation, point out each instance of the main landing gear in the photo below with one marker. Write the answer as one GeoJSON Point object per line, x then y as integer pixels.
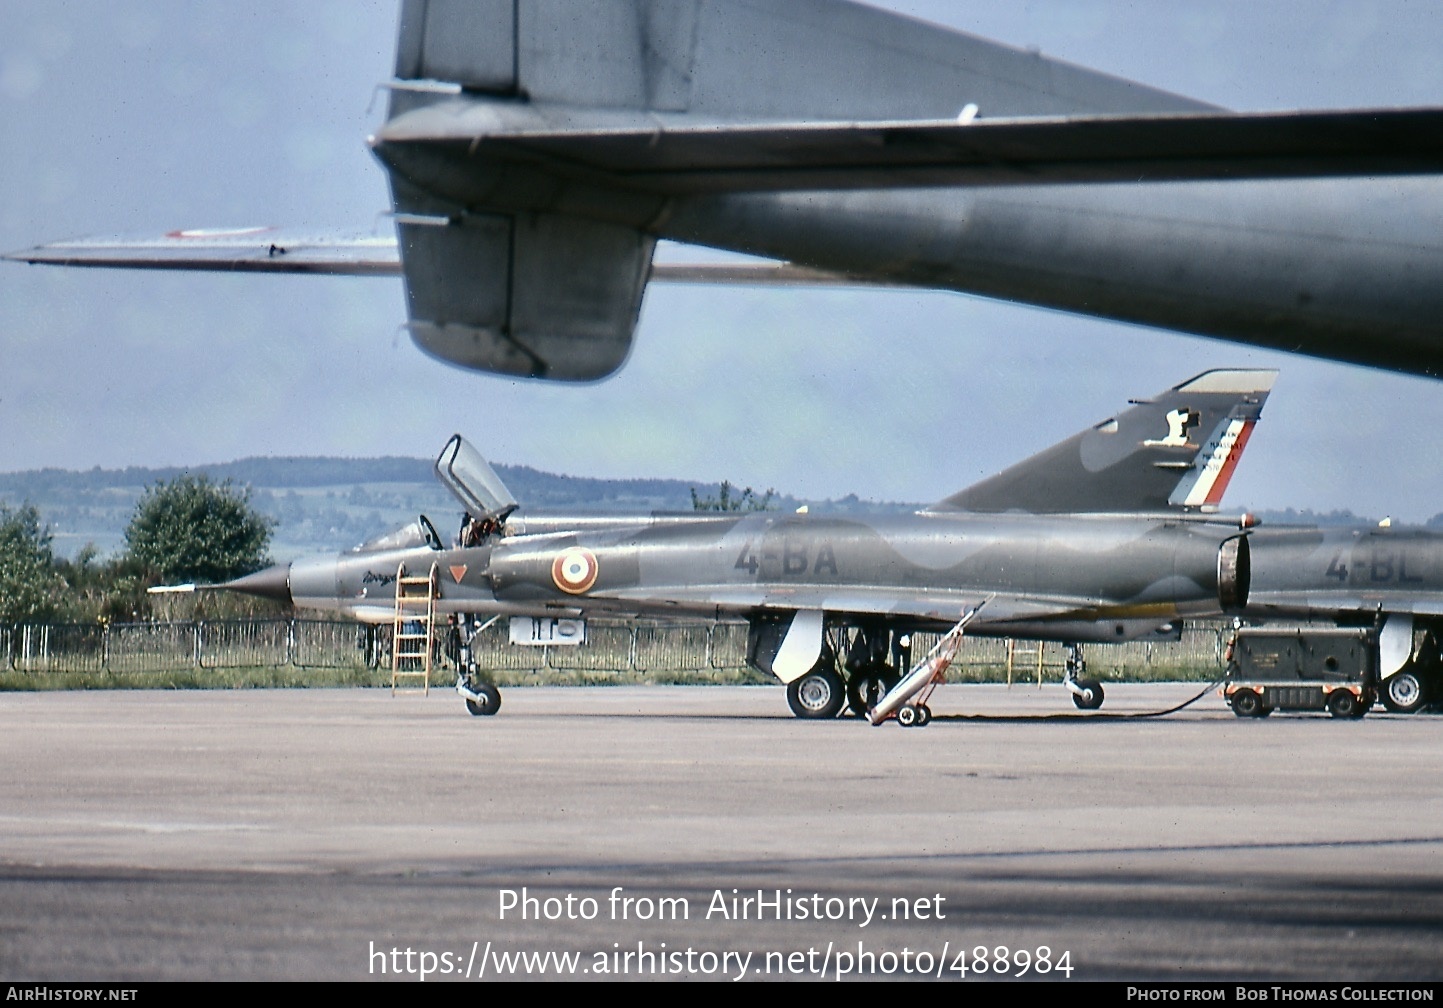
{"type": "Point", "coordinates": [819, 693]}
{"type": "Point", "coordinates": [1086, 693]}
{"type": "Point", "coordinates": [1405, 692]}
{"type": "Point", "coordinates": [866, 669]}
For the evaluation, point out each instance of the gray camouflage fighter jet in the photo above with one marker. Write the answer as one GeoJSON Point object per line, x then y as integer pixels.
{"type": "Point", "coordinates": [1110, 535]}
{"type": "Point", "coordinates": [537, 152]}
{"type": "Point", "coordinates": [1382, 575]}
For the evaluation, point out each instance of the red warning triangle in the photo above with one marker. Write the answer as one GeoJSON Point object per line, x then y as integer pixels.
{"type": "Point", "coordinates": [458, 571]}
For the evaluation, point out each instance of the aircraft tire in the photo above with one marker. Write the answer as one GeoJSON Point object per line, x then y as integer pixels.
{"type": "Point", "coordinates": [1091, 696]}
{"type": "Point", "coordinates": [1404, 692]}
{"type": "Point", "coordinates": [866, 688]}
{"type": "Point", "coordinates": [817, 695]}
{"type": "Point", "coordinates": [489, 703]}
{"type": "Point", "coordinates": [1343, 704]}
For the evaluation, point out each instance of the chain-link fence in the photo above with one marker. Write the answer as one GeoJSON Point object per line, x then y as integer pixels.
{"type": "Point", "coordinates": [612, 648]}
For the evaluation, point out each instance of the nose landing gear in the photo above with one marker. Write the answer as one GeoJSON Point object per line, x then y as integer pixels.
{"type": "Point", "coordinates": [1086, 693]}
{"type": "Point", "coordinates": [482, 697]}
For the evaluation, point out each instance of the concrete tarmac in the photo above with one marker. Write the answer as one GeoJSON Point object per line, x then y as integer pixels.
{"type": "Point", "coordinates": [704, 833]}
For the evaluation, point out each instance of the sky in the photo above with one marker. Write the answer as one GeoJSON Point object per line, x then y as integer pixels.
{"type": "Point", "coordinates": [143, 118]}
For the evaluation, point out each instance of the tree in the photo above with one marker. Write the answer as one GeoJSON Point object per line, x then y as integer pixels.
{"type": "Point", "coordinates": [747, 500]}
{"type": "Point", "coordinates": [191, 529]}
{"type": "Point", "coordinates": [30, 587]}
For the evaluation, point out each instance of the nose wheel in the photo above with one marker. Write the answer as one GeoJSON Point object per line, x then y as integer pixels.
{"type": "Point", "coordinates": [482, 699]}
{"type": "Point", "coordinates": [1086, 693]}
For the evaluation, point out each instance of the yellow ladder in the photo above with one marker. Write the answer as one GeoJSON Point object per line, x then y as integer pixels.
{"type": "Point", "coordinates": [412, 632]}
{"type": "Point", "coordinates": [1019, 650]}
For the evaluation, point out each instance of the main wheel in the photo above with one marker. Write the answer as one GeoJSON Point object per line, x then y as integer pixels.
{"type": "Point", "coordinates": [866, 689]}
{"type": "Point", "coordinates": [1404, 693]}
{"type": "Point", "coordinates": [489, 703]}
{"type": "Point", "coordinates": [1247, 703]}
{"type": "Point", "coordinates": [1091, 696]}
{"type": "Point", "coordinates": [818, 694]}
{"type": "Point", "coordinates": [1343, 704]}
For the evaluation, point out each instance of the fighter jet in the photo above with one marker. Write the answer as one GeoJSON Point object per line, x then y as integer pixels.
{"type": "Point", "coordinates": [1382, 575]}
{"type": "Point", "coordinates": [1110, 535]}
{"type": "Point", "coordinates": [538, 151]}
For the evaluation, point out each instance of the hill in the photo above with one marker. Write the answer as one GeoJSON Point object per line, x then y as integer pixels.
{"type": "Point", "coordinates": [328, 504]}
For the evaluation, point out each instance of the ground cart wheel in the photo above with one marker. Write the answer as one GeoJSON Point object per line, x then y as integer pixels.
{"type": "Point", "coordinates": [1343, 704]}
{"type": "Point", "coordinates": [1247, 703]}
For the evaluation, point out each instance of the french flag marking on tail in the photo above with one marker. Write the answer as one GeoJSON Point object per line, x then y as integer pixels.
{"type": "Point", "coordinates": [1204, 486]}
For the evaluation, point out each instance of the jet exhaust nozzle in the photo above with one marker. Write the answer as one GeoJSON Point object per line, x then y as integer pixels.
{"type": "Point", "coordinates": [1235, 574]}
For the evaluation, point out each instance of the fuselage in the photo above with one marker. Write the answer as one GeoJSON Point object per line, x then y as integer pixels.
{"type": "Point", "coordinates": [1350, 269]}
{"type": "Point", "coordinates": [1328, 572]}
{"type": "Point", "coordinates": [1084, 577]}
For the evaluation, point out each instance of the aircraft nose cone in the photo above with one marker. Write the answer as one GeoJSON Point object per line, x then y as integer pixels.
{"type": "Point", "coordinates": [272, 583]}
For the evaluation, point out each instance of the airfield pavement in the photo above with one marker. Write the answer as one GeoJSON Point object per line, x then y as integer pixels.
{"type": "Point", "coordinates": [346, 834]}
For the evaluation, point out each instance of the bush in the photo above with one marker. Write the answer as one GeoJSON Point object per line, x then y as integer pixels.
{"type": "Point", "coordinates": [191, 529]}
{"type": "Point", "coordinates": [31, 590]}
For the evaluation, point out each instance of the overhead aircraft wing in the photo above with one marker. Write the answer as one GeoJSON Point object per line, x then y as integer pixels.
{"type": "Point", "coordinates": [676, 155]}
{"type": "Point", "coordinates": [234, 250]}
{"type": "Point", "coordinates": [279, 250]}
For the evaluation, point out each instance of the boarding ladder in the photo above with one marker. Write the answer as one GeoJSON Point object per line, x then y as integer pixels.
{"type": "Point", "coordinates": [1019, 653]}
{"type": "Point", "coordinates": [413, 630]}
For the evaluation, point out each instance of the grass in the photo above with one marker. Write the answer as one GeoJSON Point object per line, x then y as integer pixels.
{"type": "Point", "coordinates": [259, 654]}
{"type": "Point", "coordinates": [293, 677]}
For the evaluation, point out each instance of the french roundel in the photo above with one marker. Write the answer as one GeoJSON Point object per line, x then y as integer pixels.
{"type": "Point", "coordinates": [574, 571]}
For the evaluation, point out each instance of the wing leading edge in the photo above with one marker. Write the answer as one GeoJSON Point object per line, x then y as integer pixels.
{"type": "Point", "coordinates": [674, 155]}
{"type": "Point", "coordinates": [280, 250]}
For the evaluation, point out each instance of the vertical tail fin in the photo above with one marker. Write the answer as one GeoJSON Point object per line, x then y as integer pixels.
{"type": "Point", "coordinates": [1176, 450]}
